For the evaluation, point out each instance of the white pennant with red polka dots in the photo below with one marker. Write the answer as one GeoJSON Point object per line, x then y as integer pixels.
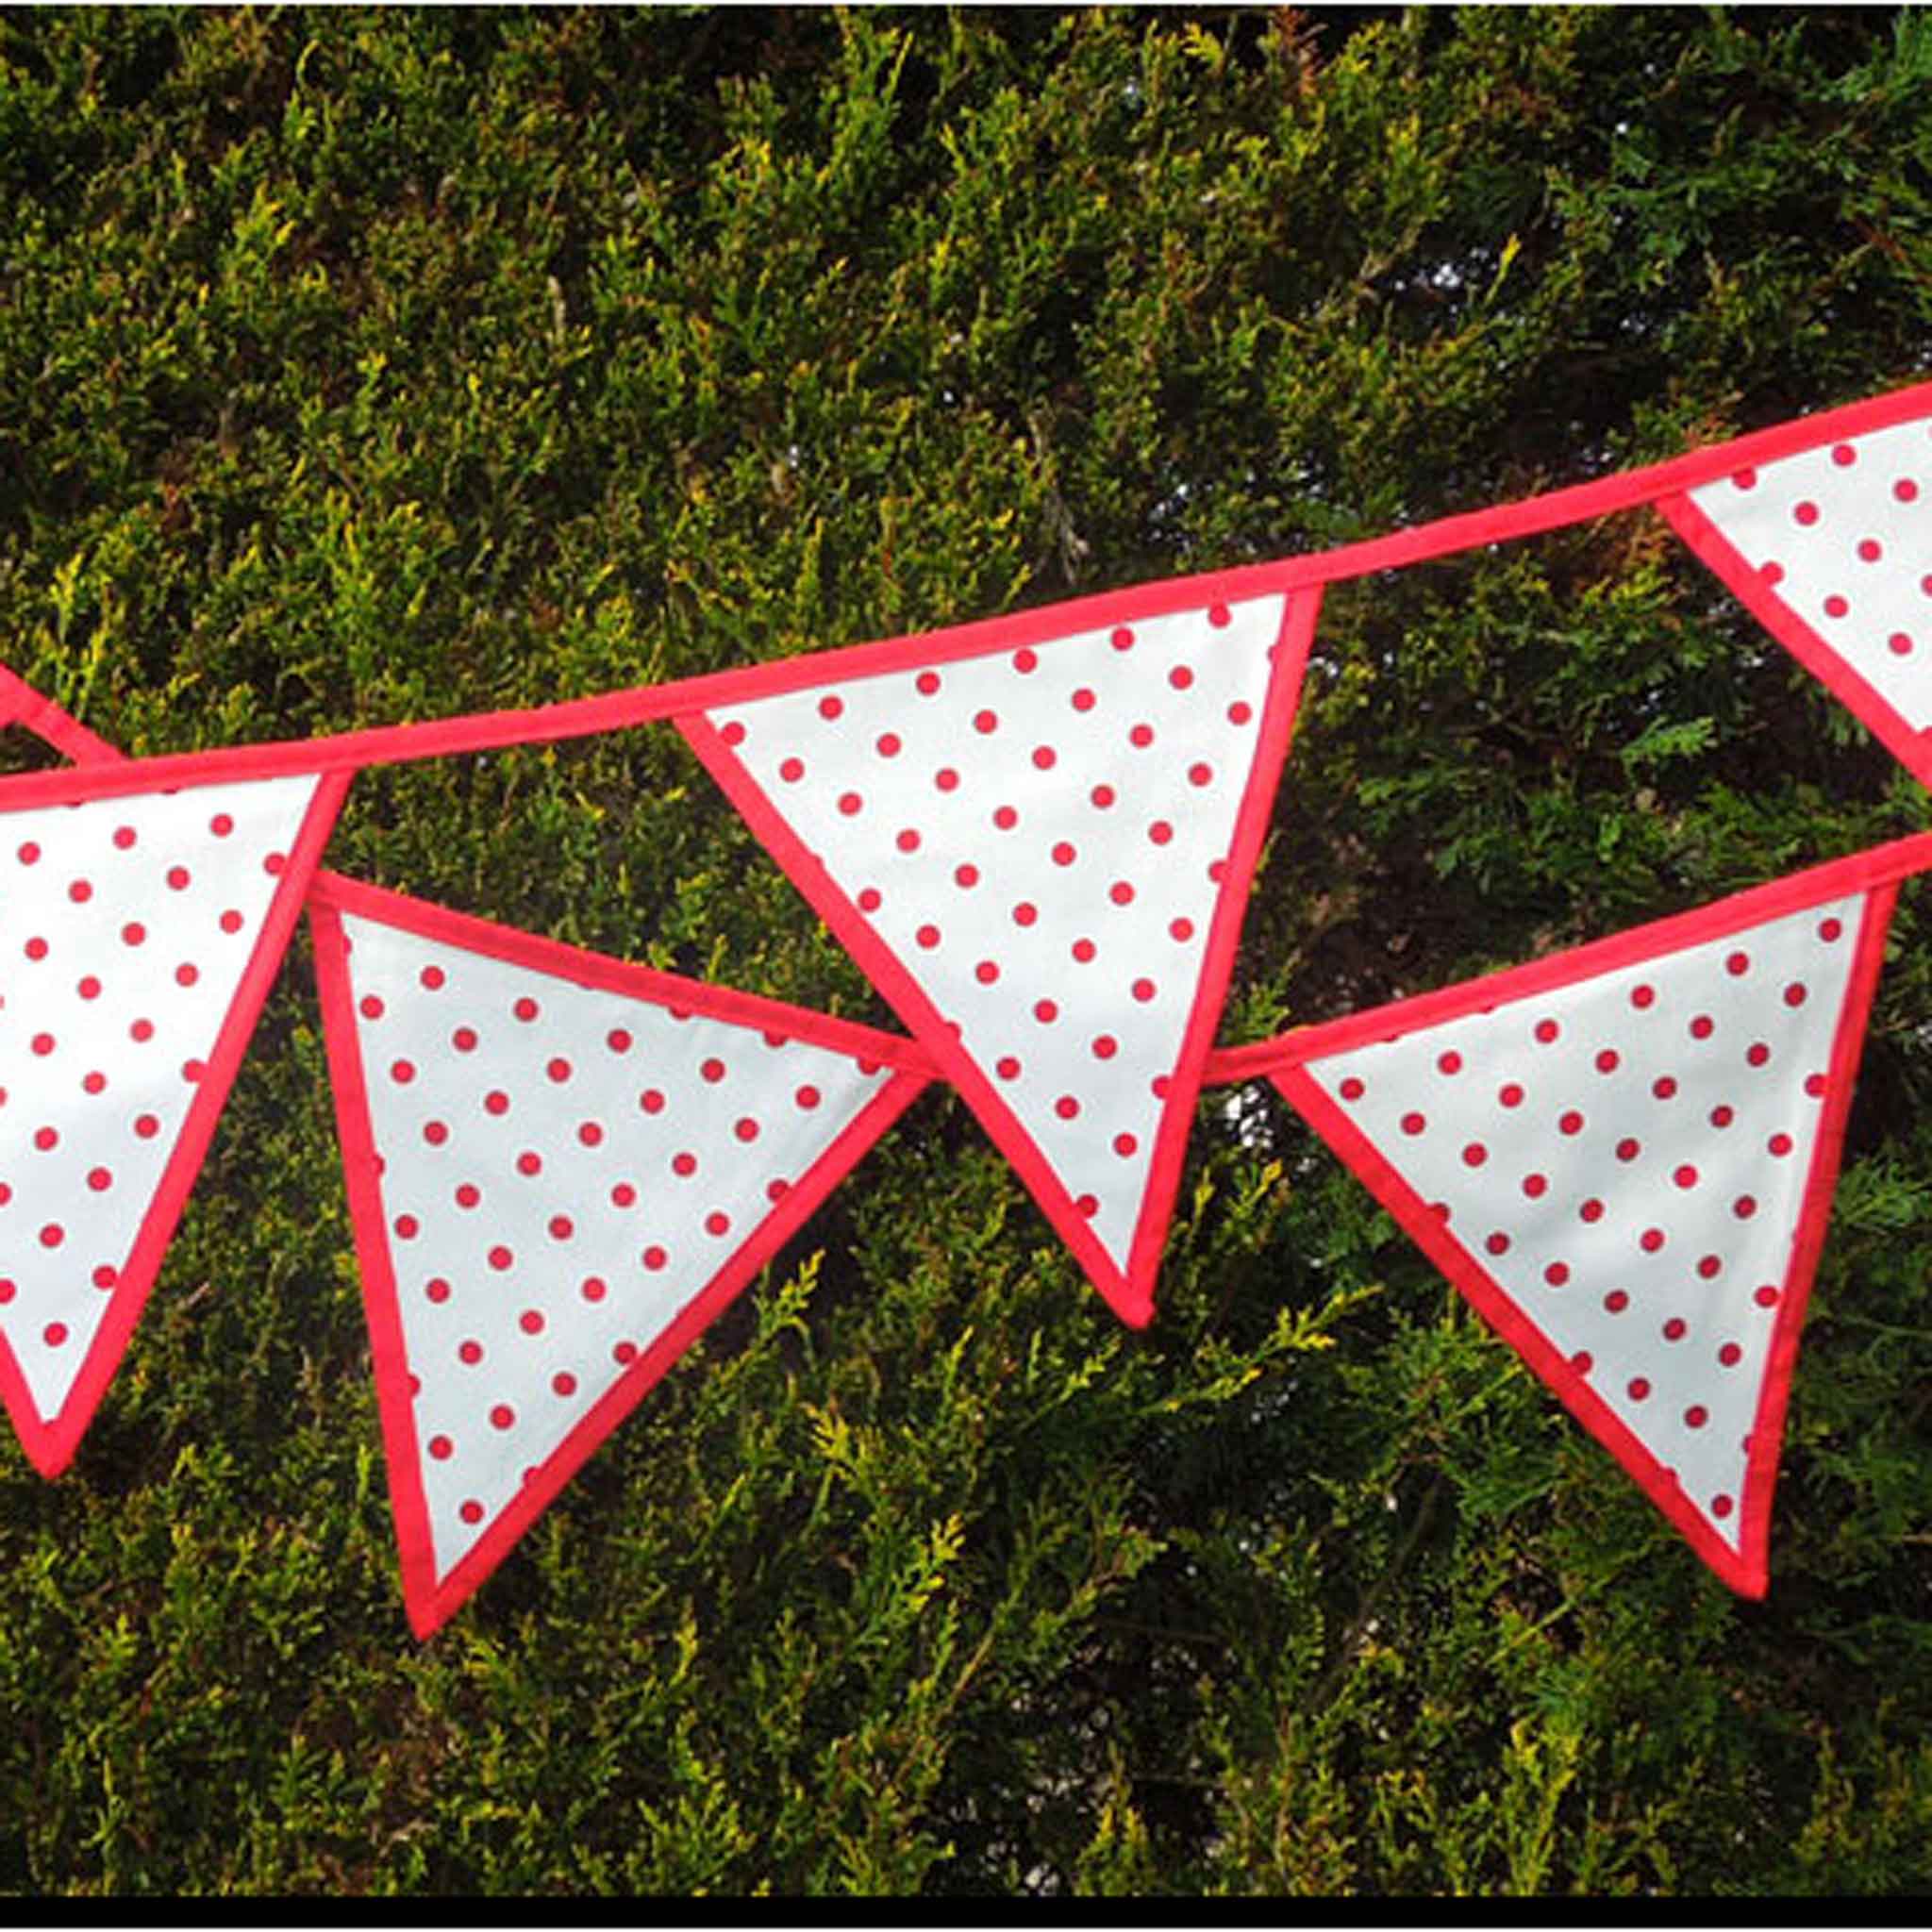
{"type": "Point", "coordinates": [1039, 851]}
{"type": "Point", "coordinates": [560, 1168]}
{"type": "Point", "coordinates": [1628, 1171]}
{"type": "Point", "coordinates": [139, 932]}
{"type": "Point", "coordinates": [1832, 547]}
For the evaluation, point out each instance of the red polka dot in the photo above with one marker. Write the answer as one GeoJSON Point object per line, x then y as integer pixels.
{"type": "Point", "coordinates": [1220, 616]}
{"type": "Point", "coordinates": [791, 771]}
{"type": "Point", "coordinates": [142, 1029]}
{"type": "Point", "coordinates": [1122, 639]}
{"type": "Point", "coordinates": [1239, 712]}
{"type": "Point", "coordinates": [148, 1126]}
{"type": "Point", "coordinates": [712, 1070]}
{"type": "Point", "coordinates": [1766, 1297]}
{"type": "Point", "coordinates": [402, 1072]}
{"type": "Point", "coordinates": [927, 683]}
{"type": "Point", "coordinates": [80, 891]}
{"type": "Point", "coordinates": [106, 1276]}
{"type": "Point", "coordinates": [1064, 854]}
{"type": "Point", "coordinates": [464, 1040]}
{"type": "Point", "coordinates": [133, 933]}
{"type": "Point", "coordinates": [1869, 550]}
{"type": "Point", "coordinates": [501, 1416]}
{"type": "Point", "coordinates": [1536, 1186]}
{"type": "Point", "coordinates": [500, 1259]}
{"type": "Point", "coordinates": [1779, 1145]}
{"type": "Point", "coordinates": [432, 977]}
{"type": "Point", "coordinates": [654, 1259]}
{"type": "Point", "coordinates": [1756, 1053]}
{"type": "Point", "coordinates": [1143, 990]}
{"type": "Point", "coordinates": [1721, 1505]}
{"type": "Point", "coordinates": [1450, 1062]}
{"type": "Point", "coordinates": [1200, 773]}
{"type": "Point", "coordinates": [1475, 1154]}
{"type": "Point", "coordinates": [1105, 1046]}
{"type": "Point", "coordinates": [985, 722]}
{"type": "Point", "coordinates": [1638, 1389]}
{"type": "Point", "coordinates": [437, 1289]}
{"type": "Point", "coordinates": [1510, 1095]}
{"type": "Point", "coordinates": [1026, 662]}
{"type": "Point", "coordinates": [869, 899]}
{"type": "Point", "coordinates": [1067, 1107]}
{"type": "Point", "coordinates": [733, 734]}
{"type": "Point", "coordinates": [562, 1227]}
{"type": "Point", "coordinates": [1351, 1089]}
{"type": "Point", "coordinates": [927, 937]}
{"type": "Point", "coordinates": [1814, 1086]}
{"type": "Point", "coordinates": [1007, 1067]}
{"type": "Point", "coordinates": [1593, 1210]}
{"type": "Point", "coordinates": [1180, 929]}
{"type": "Point", "coordinates": [1843, 455]}
{"type": "Point", "coordinates": [1709, 1267]}
{"type": "Point", "coordinates": [1696, 1416]}
{"type": "Point", "coordinates": [1806, 513]}
{"type": "Point", "coordinates": [717, 1222]}
{"type": "Point", "coordinates": [1641, 996]}
{"type": "Point", "coordinates": [1721, 1116]}
{"type": "Point", "coordinates": [1617, 1301]}
{"type": "Point", "coordinates": [1498, 1243]}
{"type": "Point", "coordinates": [1570, 1122]}
{"type": "Point", "coordinates": [1651, 1240]}
{"type": "Point", "coordinates": [1744, 479]}
{"type": "Point", "coordinates": [1141, 737]}
{"type": "Point", "coordinates": [684, 1164]}
{"type": "Point", "coordinates": [908, 839]}
{"type": "Point", "coordinates": [1730, 1354]}
{"type": "Point", "coordinates": [1702, 1027]}
{"type": "Point", "coordinates": [1835, 607]}
{"type": "Point", "coordinates": [1546, 1031]}
{"type": "Point", "coordinates": [1413, 1124]}
{"type": "Point", "coordinates": [29, 853]}
{"type": "Point", "coordinates": [966, 876]}
{"type": "Point", "coordinates": [99, 1179]}
{"type": "Point", "coordinates": [1674, 1328]}
{"type": "Point", "coordinates": [563, 1383]}
{"type": "Point", "coordinates": [185, 975]}
{"type": "Point", "coordinates": [1685, 1177]}
{"type": "Point", "coordinates": [831, 707]}
{"type": "Point", "coordinates": [442, 1448]}
{"type": "Point", "coordinates": [850, 804]}
{"type": "Point", "coordinates": [806, 1097]}
{"type": "Point", "coordinates": [1045, 758]}
{"type": "Point", "coordinates": [94, 1083]}
{"type": "Point", "coordinates": [1046, 1011]}
{"type": "Point", "coordinates": [470, 1352]}
{"type": "Point", "coordinates": [1556, 1274]}
{"type": "Point", "coordinates": [1582, 1361]}
{"type": "Point", "coordinates": [46, 1139]}
{"type": "Point", "coordinates": [1103, 797]}
{"type": "Point", "coordinates": [53, 1234]}
{"type": "Point", "coordinates": [1905, 489]}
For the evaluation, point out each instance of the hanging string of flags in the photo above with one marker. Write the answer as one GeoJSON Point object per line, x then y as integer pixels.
{"type": "Point", "coordinates": [1036, 835]}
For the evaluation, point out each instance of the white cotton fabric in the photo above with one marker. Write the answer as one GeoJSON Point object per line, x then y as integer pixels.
{"type": "Point", "coordinates": [1037, 836]}
{"type": "Point", "coordinates": [533, 1140]}
{"type": "Point", "coordinates": [1844, 535]}
{"type": "Point", "coordinates": [1645, 1229]}
{"type": "Point", "coordinates": [125, 925]}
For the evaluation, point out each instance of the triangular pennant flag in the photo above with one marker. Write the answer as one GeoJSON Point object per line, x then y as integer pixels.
{"type": "Point", "coordinates": [560, 1169]}
{"type": "Point", "coordinates": [1038, 841]}
{"type": "Point", "coordinates": [139, 931]}
{"type": "Point", "coordinates": [1830, 546]}
{"type": "Point", "coordinates": [1624, 1156]}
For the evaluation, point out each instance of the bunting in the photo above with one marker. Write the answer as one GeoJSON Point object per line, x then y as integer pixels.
{"type": "Point", "coordinates": [1040, 854]}
{"type": "Point", "coordinates": [560, 1169]}
{"type": "Point", "coordinates": [1624, 1156]}
{"type": "Point", "coordinates": [139, 932]}
{"type": "Point", "coordinates": [1037, 836]}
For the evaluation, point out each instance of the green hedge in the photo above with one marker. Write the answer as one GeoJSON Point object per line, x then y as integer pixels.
{"type": "Point", "coordinates": [360, 367]}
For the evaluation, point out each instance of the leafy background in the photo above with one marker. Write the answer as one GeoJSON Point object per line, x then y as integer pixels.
{"type": "Point", "coordinates": [357, 367]}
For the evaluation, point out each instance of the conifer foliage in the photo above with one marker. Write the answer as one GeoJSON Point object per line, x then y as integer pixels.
{"type": "Point", "coordinates": [360, 367]}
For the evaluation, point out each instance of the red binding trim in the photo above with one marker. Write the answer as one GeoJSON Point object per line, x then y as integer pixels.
{"type": "Point", "coordinates": [430, 1604]}
{"type": "Point", "coordinates": [581, 717]}
{"type": "Point", "coordinates": [1129, 1292]}
{"type": "Point", "coordinates": [1912, 748]}
{"type": "Point", "coordinates": [1877, 873]}
{"type": "Point", "coordinates": [50, 1446]}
